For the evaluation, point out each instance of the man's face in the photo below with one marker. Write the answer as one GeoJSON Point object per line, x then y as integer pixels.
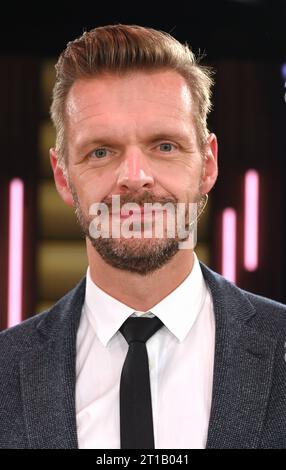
{"type": "Point", "coordinates": [133, 136]}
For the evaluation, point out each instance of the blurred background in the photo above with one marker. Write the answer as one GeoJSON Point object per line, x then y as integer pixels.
{"type": "Point", "coordinates": [242, 233]}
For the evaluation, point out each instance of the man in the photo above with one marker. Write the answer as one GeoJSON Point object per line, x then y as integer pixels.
{"type": "Point", "coordinates": [130, 106]}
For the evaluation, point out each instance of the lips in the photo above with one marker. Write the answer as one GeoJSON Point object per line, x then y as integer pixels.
{"type": "Point", "coordinates": [136, 213]}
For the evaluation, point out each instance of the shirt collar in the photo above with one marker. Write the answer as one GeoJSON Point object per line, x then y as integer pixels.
{"type": "Point", "coordinates": [178, 310]}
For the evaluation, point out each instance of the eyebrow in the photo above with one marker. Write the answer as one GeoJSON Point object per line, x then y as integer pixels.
{"type": "Point", "coordinates": [176, 135]}
{"type": "Point", "coordinates": [172, 135]}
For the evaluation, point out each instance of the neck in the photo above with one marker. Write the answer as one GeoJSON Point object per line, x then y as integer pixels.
{"type": "Point", "coordinates": [137, 291]}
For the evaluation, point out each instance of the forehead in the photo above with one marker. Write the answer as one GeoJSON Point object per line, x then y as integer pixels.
{"type": "Point", "coordinates": [133, 94]}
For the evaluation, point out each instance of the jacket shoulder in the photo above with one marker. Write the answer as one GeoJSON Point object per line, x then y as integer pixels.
{"type": "Point", "coordinates": [270, 314]}
{"type": "Point", "coordinates": [264, 314]}
{"type": "Point", "coordinates": [18, 339]}
{"type": "Point", "coordinates": [34, 331]}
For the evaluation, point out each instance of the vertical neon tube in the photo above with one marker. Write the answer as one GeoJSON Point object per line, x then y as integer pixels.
{"type": "Point", "coordinates": [15, 256]}
{"type": "Point", "coordinates": [229, 244]}
{"type": "Point", "coordinates": [251, 213]}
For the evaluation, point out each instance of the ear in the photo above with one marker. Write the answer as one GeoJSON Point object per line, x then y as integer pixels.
{"type": "Point", "coordinates": [210, 167]}
{"type": "Point", "coordinates": [60, 178]}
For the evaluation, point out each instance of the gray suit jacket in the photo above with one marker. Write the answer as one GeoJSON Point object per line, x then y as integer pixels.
{"type": "Point", "coordinates": [37, 373]}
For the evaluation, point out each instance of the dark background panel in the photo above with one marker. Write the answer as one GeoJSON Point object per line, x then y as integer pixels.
{"type": "Point", "coordinates": [224, 29]}
{"type": "Point", "coordinates": [243, 40]}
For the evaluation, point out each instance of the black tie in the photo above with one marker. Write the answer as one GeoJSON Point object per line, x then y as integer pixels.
{"type": "Point", "coordinates": [136, 420]}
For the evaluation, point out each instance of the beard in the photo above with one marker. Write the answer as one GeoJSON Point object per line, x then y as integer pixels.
{"type": "Point", "coordinates": [141, 256]}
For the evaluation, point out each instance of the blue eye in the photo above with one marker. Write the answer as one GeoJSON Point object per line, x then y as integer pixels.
{"type": "Point", "coordinates": [167, 146]}
{"type": "Point", "coordinates": [100, 152]}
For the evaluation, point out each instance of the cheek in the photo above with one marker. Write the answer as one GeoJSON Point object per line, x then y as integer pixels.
{"type": "Point", "coordinates": [90, 187]}
{"type": "Point", "coordinates": [187, 180]}
{"type": "Point", "coordinates": [91, 194]}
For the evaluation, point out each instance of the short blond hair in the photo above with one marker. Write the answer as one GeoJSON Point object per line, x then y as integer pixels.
{"type": "Point", "coordinates": [119, 49]}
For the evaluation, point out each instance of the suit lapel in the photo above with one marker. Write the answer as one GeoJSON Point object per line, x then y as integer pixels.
{"type": "Point", "coordinates": [48, 376]}
{"type": "Point", "coordinates": [243, 369]}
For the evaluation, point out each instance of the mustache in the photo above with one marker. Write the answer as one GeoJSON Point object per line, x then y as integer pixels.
{"type": "Point", "coordinates": [141, 199]}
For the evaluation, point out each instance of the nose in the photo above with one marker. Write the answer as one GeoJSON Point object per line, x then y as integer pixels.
{"type": "Point", "coordinates": [134, 173]}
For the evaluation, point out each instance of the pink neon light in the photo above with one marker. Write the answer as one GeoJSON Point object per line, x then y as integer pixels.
{"type": "Point", "coordinates": [251, 201]}
{"type": "Point", "coordinates": [229, 244]}
{"type": "Point", "coordinates": [15, 261]}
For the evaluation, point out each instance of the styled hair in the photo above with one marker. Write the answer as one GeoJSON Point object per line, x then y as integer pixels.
{"type": "Point", "coordinates": [119, 49]}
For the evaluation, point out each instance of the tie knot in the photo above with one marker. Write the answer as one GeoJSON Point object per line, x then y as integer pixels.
{"type": "Point", "coordinates": [140, 329]}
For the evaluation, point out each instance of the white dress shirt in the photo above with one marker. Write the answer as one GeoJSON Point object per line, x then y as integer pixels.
{"type": "Point", "coordinates": [181, 358]}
